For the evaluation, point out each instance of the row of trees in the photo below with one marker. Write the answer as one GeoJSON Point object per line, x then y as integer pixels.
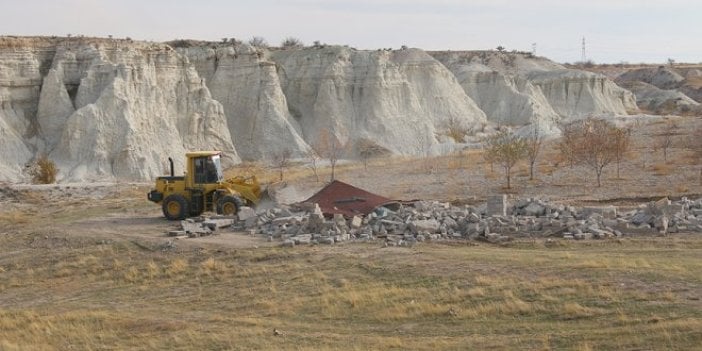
{"type": "Point", "coordinates": [593, 143]}
{"type": "Point", "coordinates": [261, 42]}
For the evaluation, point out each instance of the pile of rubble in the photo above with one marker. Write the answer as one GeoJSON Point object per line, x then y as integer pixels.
{"type": "Point", "coordinates": [495, 221]}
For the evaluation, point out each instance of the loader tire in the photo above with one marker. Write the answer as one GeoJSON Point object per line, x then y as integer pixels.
{"type": "Point", "coordinates": [229, 205]}
{"type": "Point", "coordinates": [175, 207]}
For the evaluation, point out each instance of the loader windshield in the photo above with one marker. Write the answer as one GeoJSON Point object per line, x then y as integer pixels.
{"type": "Point", "coordinates": [208, 169]}
{"type": "Point", "coordinates": [216, 161]}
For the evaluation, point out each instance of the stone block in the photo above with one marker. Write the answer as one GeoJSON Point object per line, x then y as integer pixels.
{"type": "Point", "coordinates": [609, 212]}
{"type": "Point", "coordinates": [428, 225]}
{"type": "Point", "coordinates": [356, 222]}
{"type": "Point", "coordinates": [245, 213]}
{"type": "Point", "coordinates": [496, 205]}
{"type": "Point", "coordinates": [218, 223]}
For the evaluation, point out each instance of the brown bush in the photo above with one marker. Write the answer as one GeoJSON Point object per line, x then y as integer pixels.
{"type": "Point", "coordinates": [43, 171]}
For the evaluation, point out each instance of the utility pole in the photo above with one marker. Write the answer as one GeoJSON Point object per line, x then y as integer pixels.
{"type": "Point", "coordinates": [584, 57]}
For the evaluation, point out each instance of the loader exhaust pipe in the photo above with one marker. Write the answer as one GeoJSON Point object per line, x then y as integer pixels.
{"type": "Point", "coordinates": [170, 160]}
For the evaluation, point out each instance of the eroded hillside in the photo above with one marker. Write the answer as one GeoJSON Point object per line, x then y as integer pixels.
{"type": "Point", "coordinates": [107, 109]}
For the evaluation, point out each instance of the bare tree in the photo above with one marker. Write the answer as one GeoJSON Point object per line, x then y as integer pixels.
{"type": "Point", "coordinates": [258, 42]}
{"type": "Point", "coordinates": [281, 161]}
{"type": "Point", "coordinates": [664, 141]}
{"type": "Point", "coordinates": [313, 158]}
{"type": "Point", "coordinates": [694, 145]}
{"type": "Point", "coordinates": [622, 138]}
{"type": "Point", "coordinates": [505, 149]}
{"type": "Point", "coordinates": [291, 43]}
{"type": "Point", "coordinates": [534, 142]}
{"type": "Point", "coordinates": [330, 148]}
{"type": "Point", "coordinates": [456, 129]}
{"type": "Point", "coordinates": [368, 149]}
{"type": "Point", "coordinates": [592, 143]}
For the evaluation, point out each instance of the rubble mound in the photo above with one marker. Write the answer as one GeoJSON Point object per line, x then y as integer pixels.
{"type": "Point", "coordinates": [495, 221]}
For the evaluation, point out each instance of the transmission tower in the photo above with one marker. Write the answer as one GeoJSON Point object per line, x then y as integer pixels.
{"type": "Point", "coordinates": [584, 57]}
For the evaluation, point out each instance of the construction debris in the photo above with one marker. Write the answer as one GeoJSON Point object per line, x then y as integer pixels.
{"type": "Point", "coordinates": [496, 221]}
{"type": "Point", "coordinates": [202, 226]}
{"type": "Point", "coordinates": [305, 224]}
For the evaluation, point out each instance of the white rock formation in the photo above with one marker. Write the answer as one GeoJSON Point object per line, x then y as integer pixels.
{"type": "Point", "coordinates": [574, 93]}
{"type": "Point", "coordinates": [661, 101]}
{"type": "Point", "coordinates": [116, 109]}
{"type": "Point", "coordinates": [20, 81]}
{"type": "Point", "coordinates": [247, 85]}
{"type": "Point", "coordinates": [399, 100]}
{"type": "Point", "coordinates": [105, 112]}
{"type": "Point", "coordinates": [516, 89]}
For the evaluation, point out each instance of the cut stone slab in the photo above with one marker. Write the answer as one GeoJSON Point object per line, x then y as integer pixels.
{"type": "Point", "coordinates": [609, 212]}
{"type": "Point", "coordinates": [245, 213]}
{"type": "Point", "coordinates": [496, 205]}
{"type": "Point", "coordinates": [194, 227]}
{"type": "Point", "coordinates": [426, 225]}
{"type": "Point", "coordinates": [218, 223]}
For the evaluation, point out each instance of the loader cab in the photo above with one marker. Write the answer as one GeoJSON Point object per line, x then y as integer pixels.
{"type": "Point", "coordinates": [205, 167]}
{"type": "Point", "coordinates": [208, 169]}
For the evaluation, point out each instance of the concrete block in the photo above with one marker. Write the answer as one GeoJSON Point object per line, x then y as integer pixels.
{"type": "Point", "coordinates": [496, 205]}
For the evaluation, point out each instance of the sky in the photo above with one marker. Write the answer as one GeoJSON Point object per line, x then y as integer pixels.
{"type": "Point", "coordinates": [615, 31]}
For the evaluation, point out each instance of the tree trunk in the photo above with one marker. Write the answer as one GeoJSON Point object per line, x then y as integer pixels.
{"type": "Point", "coordinates": [333, 166]}
{"type": "Point", "coordinates": [531, 170]}
{"type": "Point", "coordinates": [509, 178]}
{"type": "Point", "coordinates": [599, 176]}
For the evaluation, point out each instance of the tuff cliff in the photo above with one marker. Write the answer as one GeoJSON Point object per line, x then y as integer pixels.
{"type": "Point", "coordinates": [518, 88]}
{"type": "Point", "coordinates": [106, 109]}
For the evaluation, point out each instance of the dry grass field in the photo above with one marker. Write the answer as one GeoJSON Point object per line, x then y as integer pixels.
{"type": "Point", "coordinates": [90, 268]}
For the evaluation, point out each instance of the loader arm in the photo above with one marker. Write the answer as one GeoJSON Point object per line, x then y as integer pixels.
{"type": "Point", "coordinates": [248, 187]}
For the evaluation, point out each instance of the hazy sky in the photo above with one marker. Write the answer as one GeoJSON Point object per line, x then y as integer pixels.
{"type": "Point", "coordinates": [614, 30]}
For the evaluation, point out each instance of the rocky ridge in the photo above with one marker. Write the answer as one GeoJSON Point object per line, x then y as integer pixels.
{"type": "Point", "coordinates": [665, 90]}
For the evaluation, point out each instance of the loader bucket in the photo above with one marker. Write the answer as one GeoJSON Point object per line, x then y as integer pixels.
{"type": "Point", "coordinates": [268, 198]}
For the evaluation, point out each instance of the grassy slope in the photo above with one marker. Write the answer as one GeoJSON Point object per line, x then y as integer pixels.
{"type": "Point", "coordinates": [60, 293]}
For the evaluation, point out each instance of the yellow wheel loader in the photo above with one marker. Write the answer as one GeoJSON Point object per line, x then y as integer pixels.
{"type": "Point", "coordinates": [203, 188]}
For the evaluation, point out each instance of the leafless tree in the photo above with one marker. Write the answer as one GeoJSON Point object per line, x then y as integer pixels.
{"type": "Point", "coordinates": [291, 43]}
{"type": "Point", "coordinates": [368, 149]}
{"type": "Point", "coordinates": [534, 142]}
{"type": "Point", "coordinates": [313, 158]}
{"type": "Point", "coordinates": [664, 141]}
{"type": "Point", "coordinates": [281, 161]}
{"type": "Point", "coordinates": [694, 145]}
{"type": "Point", "coordinates": [331, 149]}
{"type": "Point", "coordinates": [258, 42]}
{"type": "Point", "coordinates": [505, 149]}
{"type": "Point", "coordinates": [456, 129]}
{"type": "Point", "coordinates": [623, 143]}
{"type": "Point", "coordinates": [592, 143]}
